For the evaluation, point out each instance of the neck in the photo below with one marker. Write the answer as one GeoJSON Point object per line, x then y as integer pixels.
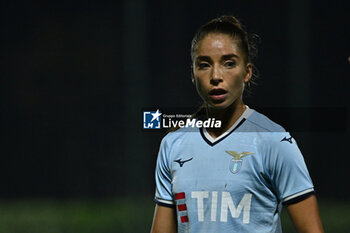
{"type": "Point", "coordinates": [228, 117]}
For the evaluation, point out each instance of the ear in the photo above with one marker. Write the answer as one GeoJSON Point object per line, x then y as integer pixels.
{"type": "Point", "coordinates": [192, 76]}
{"type": "Point", "coordinates": [249, 72]}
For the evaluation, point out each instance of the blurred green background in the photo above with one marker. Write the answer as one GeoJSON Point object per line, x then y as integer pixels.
{"type": "Point", "coordinates": [118, 215]}
{"type": "Point", "coordinates": [122, 215]}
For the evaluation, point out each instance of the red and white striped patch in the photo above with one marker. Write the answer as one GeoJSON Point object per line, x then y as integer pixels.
{"type": "Point", "coordinates": [179, 196]}
{"type": "Point", "coordinates": [181, 206]}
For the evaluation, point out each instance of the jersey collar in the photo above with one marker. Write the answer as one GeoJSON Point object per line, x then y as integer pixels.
{"type": "Point", "coordinates": [212, 141]}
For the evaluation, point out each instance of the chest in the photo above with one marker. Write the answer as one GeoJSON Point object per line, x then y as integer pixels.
{"type": "Point", "coordinates": [231, 168]}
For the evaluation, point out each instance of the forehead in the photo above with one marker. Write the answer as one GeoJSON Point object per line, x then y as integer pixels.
{"type": "Point", "coordinates": [217, 44]}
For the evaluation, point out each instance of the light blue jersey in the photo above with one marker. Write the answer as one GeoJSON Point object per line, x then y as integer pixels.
{"type": "Point", "coordinates": [234, 183]}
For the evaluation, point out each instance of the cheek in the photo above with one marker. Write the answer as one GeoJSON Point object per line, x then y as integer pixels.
{"type": "Point", "coordinates": [236, 86]}
{"type": "Point", "coordinates": [198, 80]}
{"type": "Point", "coordinates": [238, 82]}
{"type": "Point", "coordinates": [201, 89]}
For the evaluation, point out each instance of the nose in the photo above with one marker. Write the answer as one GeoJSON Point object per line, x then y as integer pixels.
{"type": "Point", "coordinates": [216, 75]}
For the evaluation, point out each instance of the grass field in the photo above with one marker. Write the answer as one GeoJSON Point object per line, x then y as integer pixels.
{"type": "Point", "coordinates": [118, 215]}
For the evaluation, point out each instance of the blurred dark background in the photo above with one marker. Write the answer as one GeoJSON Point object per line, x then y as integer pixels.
{"type": "Point", "coordinates": [75, 76]}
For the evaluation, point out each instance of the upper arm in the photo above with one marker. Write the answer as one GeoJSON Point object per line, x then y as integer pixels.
{"type": "Point", "coordinates": [286, 168]}
{"type": "Point", "coordinates": [305, 215]}
{"type": "Point", "coordinates": [163, 176]}
{"type": "Point", "coordinates": [164, 220]}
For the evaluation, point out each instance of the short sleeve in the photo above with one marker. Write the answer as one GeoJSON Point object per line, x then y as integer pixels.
{"type": "Point", "coordinates": [288, 172]}
{"type": "Point", "coordinates": [163, 195]}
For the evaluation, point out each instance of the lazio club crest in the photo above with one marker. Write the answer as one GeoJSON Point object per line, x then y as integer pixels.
{"type": "Point", "coordinates": [236, 162]}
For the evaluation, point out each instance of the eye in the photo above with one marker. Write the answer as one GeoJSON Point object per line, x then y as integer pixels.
{"type": "Point", "coordinates": [230, 64]}
{"type": "Point", "coordinates": [202, 65]}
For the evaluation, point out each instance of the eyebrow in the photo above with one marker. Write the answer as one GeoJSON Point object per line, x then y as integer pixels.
{"type": "Point", "coordinates": [228, 56]}
{"type": "Point", "coordinates": [223, 57]}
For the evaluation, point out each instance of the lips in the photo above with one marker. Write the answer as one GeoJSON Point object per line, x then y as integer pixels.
{"type": "Point", "coordinates": [217, 94]}
{"type": "Point", "coordinates": [217, 91]}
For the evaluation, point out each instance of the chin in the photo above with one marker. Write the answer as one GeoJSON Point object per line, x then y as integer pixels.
{"type": "Point", "coordinates": [222, 105]}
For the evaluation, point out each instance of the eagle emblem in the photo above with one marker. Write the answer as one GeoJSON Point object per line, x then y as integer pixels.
{"type": "Point", "coordinates": [236, 162]}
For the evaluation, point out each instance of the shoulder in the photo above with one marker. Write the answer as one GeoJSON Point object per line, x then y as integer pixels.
{"type": "Point", "coordinates": [261, 123]}
{"type": "Point", "coordinates": [175, 138]}
{"type": "Point", "coordinates": [270, 135]}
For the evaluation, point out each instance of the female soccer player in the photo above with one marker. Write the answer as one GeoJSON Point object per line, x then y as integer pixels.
{"type": "Point", "coordinates": [237, 177]}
